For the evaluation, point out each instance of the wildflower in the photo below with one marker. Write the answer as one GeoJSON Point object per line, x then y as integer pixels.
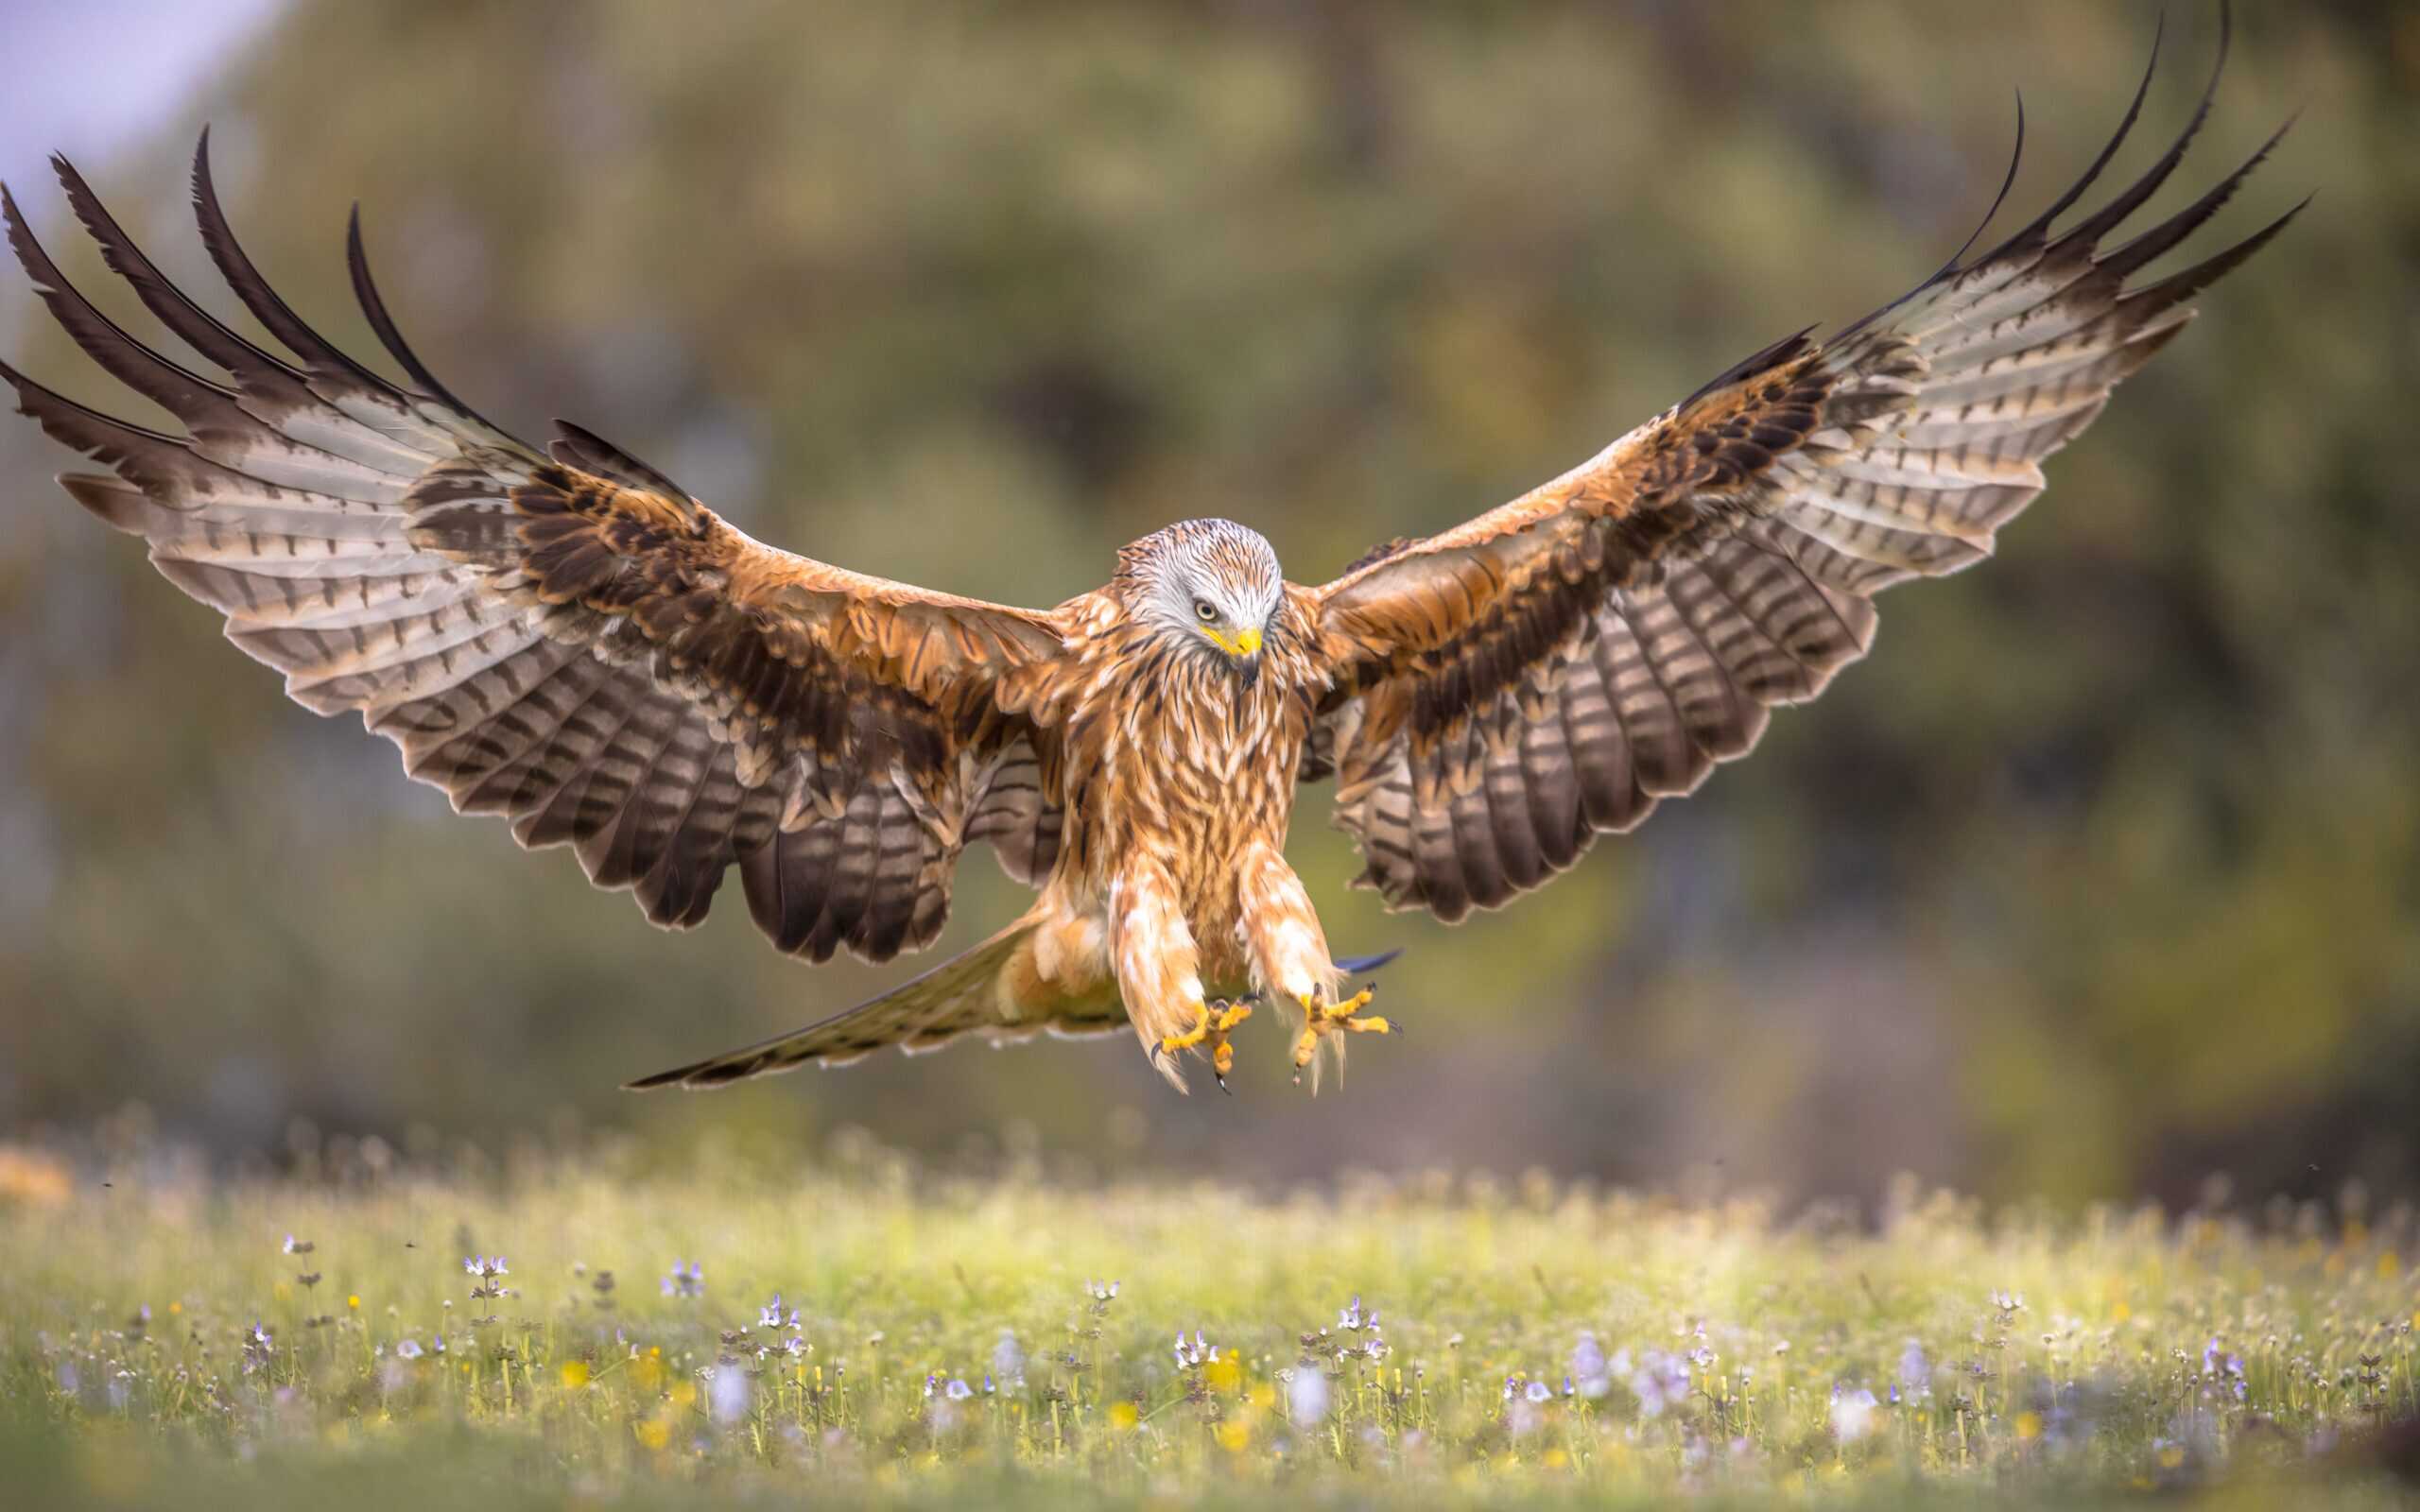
{"type": "Point", "coordinates": [1306, 1396]}
{"type": "Point", "coordinates": [260, 1348]}
{"type": "Point", "coordinates": [685, 1280]}
{"type": "Point", "coordinates": [407, 1348]}
{"type": "Point", "coordinates": [1100, 1294]}
{"type": "Point", "coordinates": [1661, 1380]}
{"type": "Point", "coordinates": [1539, 1391]}
{"type": "Point", "coordinates": [1852, 1413]}
{"type": "Point", "coordinates": [1195, 1355]}
{"type": "Point", "coordinates": [1008, 1360]}
{"type": "Point", "coordinates": [486, 1268]}
{"type": "Point", "coordinates": [774, 1315]}
{"type": "Point", "coordinates": [957, 1390]}
{"type": "Point", "coordinates": [1525, 1418]}
{"type": "Point", "coordinates": [727, 1394]}
{"type": "Point", "coordinates": [794, 1346]}
{"type": "Point", "coordinates": [299, 1246]}
{"type": "Point", "coordinates": [1353, 1320]}
{"type": "Point", "coordinates": [1589, 1369]}
{"type": "Point", "coordinates": [1915, 1372]}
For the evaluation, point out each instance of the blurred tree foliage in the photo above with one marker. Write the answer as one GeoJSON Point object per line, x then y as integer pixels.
{"type": "Point", "coordinates": [2105, 870]}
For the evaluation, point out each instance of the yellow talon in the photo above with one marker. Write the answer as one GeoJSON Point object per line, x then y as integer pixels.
{"type": "Point", "coordinates": [1322, 1019]}
{"type": "Point", "coordinates": [1348, 1007]}
{"type": "Point", "coordinates": [1212, 1028]}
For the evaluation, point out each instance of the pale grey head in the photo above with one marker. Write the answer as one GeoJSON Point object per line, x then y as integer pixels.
{"type": "Point", "coordinates": [1214, 583]}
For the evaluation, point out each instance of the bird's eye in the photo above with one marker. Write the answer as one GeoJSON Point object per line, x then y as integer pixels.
{"type": "Point", "coordinates": [1207, 610]}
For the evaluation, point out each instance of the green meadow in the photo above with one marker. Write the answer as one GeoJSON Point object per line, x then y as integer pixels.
{"type": "Point", "coordinates": [596, 1330]}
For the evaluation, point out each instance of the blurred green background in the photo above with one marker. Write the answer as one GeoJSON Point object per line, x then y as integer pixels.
{"type": "Point", "coordinates": [2102, 873]}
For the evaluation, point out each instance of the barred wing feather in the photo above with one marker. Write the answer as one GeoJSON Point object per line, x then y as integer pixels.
{"type": "Point", "coordinates": [564, 638]}
{"type": "Point", "coordinates": [1556, 667]}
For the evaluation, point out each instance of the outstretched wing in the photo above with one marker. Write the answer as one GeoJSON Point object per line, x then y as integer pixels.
{"type": "Point", "coordinates": [564, 638]}
{"type": "Point", "coordinates": [1550, 670]}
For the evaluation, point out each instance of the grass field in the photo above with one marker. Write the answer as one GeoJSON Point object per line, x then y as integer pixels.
{"type": "Point", "coordinates": [626, 1334]}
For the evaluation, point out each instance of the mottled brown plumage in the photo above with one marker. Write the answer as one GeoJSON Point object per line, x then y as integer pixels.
{"type": "Point", "coordinates": [568, 639]}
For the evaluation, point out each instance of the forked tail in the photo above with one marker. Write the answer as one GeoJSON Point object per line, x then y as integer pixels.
{"type": "Point", "coordinates": [962, 995]}
{"type": "Point", "coordinates": [923, 1013]}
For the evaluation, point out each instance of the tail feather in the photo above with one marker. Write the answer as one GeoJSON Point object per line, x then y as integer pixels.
{"type": "Point", "coordinates": [950, 1000]}
{"type": "Point", "coordinates": [960, 996]}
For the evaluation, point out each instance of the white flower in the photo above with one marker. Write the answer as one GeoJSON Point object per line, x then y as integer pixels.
{"type": "Point", "coordinates": [1852, 1413]}
{"type": "Point", "coordinates": [1306, 1396]}
{"type": "Point", "coordinates": [727, 1394]}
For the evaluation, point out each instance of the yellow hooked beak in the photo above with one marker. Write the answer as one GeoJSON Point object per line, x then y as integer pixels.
{"type": "Point", "coordinates": [1244, 642]}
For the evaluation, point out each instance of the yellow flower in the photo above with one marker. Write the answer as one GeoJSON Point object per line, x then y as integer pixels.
{"type": "Point", "coordinates": [2028, 1425]}
{"type": "Point", "coordinates": [653, 1432]}
{"type": "Point", "coordinates": [1234, 1435]}
{"type": "Point", "coordinates": [1122, 1416]}
{"type": "Point", "coordinates": [2171, 1457]}
{"type": "Point", "coordinates": [575, 1374]}
{"type": "Point", "coordinates": [354, 1303]}
{"type": "Point", "coordinates": [1222, 1375]}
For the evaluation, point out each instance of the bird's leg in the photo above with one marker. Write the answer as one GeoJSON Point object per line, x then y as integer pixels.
{"type": "Point", "coordinates": [1289, 954]}
{"type": "Point", "coordinates": [1158, 969]}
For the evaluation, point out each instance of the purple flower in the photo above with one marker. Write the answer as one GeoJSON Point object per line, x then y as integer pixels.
{"type": "Point", "coordinates": [1660, 1381]}
{"type": "Point", "coordinates": [686, 1279]}
{"type": "Point", "coordinates": [1915, 1372]}
{"type": "Point", "coordinates": [1008, 1360]}
{"type": "Point", "coordinates": [1589, 1370]}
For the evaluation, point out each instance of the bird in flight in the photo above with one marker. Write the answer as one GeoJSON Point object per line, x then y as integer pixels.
{"type": "Point", "coordinates": [566, 638]}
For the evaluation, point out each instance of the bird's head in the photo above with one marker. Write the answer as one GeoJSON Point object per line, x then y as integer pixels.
{"type": "Point", "coordinates": [1210, 584]}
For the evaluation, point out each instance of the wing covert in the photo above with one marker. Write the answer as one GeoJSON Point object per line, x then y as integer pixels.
{"type": "Point", "coordinates": [565, 639]}
{"type": "Point", "coordinates": [1552, 669]}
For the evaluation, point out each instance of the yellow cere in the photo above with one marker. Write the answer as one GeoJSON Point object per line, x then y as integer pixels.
{"type": "Point", "coordinates": [1243, 643]}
